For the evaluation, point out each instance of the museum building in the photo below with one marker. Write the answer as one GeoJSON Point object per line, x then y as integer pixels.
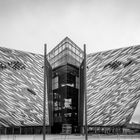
{"type": "Point", "coordinates": [112, 81]}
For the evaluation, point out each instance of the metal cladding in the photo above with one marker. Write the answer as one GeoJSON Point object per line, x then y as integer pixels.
{"type": "Point", "coordinates": [113, 86]}
{"type": "Point", "coordinates": [21, 89]}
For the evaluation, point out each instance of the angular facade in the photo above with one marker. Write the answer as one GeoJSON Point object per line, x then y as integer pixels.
{"type": "Point", "coordinates": [113, 86]}
{"type": "Point", "coordinates": [21, 89]}
{"type": "Point", "coordinates": [113, 91]}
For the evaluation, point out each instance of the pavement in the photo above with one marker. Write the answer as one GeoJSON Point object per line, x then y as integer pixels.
{"type": "Point", "coordinates": [70, 137]}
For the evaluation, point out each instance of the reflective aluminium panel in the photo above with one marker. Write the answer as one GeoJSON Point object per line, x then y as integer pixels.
{"type": "Point", "coordinates": [113, 86]}
{"type": "Point", "coordinates": [21, 89]}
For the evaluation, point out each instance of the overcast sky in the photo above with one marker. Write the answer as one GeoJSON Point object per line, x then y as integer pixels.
{"type": "Point", "coordinates": [100, 24]}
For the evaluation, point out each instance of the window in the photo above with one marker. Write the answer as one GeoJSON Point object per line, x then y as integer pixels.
{"type": "Point", "coordinates": [57, 96]}
{"type": "Point", "coordinates": [57, 105]}
{"type": "Point", "coordinates": [67, 103]}
{"type": "Point", "coordinates": [70, 85]}
{"type": "Point", "coordinates": [16, 65]}
{"type": "Point", "coordinates": [77, 82]}
{"type": "Point", "coordinates": [68, 114]}
{"type": "Point", "coordinates": [55, 114]}
{"type": "Point", "coordinates": [55, 83]}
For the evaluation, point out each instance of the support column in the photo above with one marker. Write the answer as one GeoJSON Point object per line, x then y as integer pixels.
{"type": "Point", "coordinates": [85, 93]}
{"type": "Point", "coordinates": [44, 103]}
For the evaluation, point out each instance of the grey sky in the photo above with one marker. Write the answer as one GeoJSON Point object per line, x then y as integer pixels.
{"type": "Point", "coordinates": [101, 24]}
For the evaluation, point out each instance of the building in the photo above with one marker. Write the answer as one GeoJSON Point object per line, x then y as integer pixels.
{"type": "Point", "coordinates": [21, 102]}
{"type": "Point", "coordinates": [113, 90]}
{"type": "Point", "coordinates": [66, 60]}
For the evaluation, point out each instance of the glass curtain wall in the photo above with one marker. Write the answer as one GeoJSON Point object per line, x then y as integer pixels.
{"type": "Point", "coordinates": [65, 60]}
{"type": "Point", "coordinates": [65, 52]}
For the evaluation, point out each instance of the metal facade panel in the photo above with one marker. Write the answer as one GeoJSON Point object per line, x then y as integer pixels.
{"type": "Point", "coordinates": [21, 89]}
{"type": "Point", "coordinates": [113, 86]}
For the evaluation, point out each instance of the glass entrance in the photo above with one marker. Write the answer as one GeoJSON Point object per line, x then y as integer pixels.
{"type": "Point", "coordinates": [65, 98]}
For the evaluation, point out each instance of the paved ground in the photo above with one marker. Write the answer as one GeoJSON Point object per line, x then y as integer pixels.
{"type": "Point", "coordinates": [69, 137]}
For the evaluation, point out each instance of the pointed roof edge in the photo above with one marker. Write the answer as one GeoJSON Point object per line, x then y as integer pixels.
{"type": "Point", "coordinates": [132, 118]}
{"type": "Point", "coordinates": [12, 50]}
{"type": "Point", "coordinates": [73, 43]}
{"type": "Point", "coordinates": [66, 39]}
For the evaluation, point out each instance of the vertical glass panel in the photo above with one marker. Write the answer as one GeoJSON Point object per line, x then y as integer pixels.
{"type": "Point", "coordinates": [77, 82]}
{"type": "Point", "coordinates": [69, 46]}
{"type": "Point", "coordinates": [67, 103]}
{"type": "Point", "coordinates": [66, 47]}
{"type": "Point", "coordinates": [55, 83]}
{"type": "Point", "coordinates": [77, 52]}
{"type": "Point", "coordinates": [73, 49]}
